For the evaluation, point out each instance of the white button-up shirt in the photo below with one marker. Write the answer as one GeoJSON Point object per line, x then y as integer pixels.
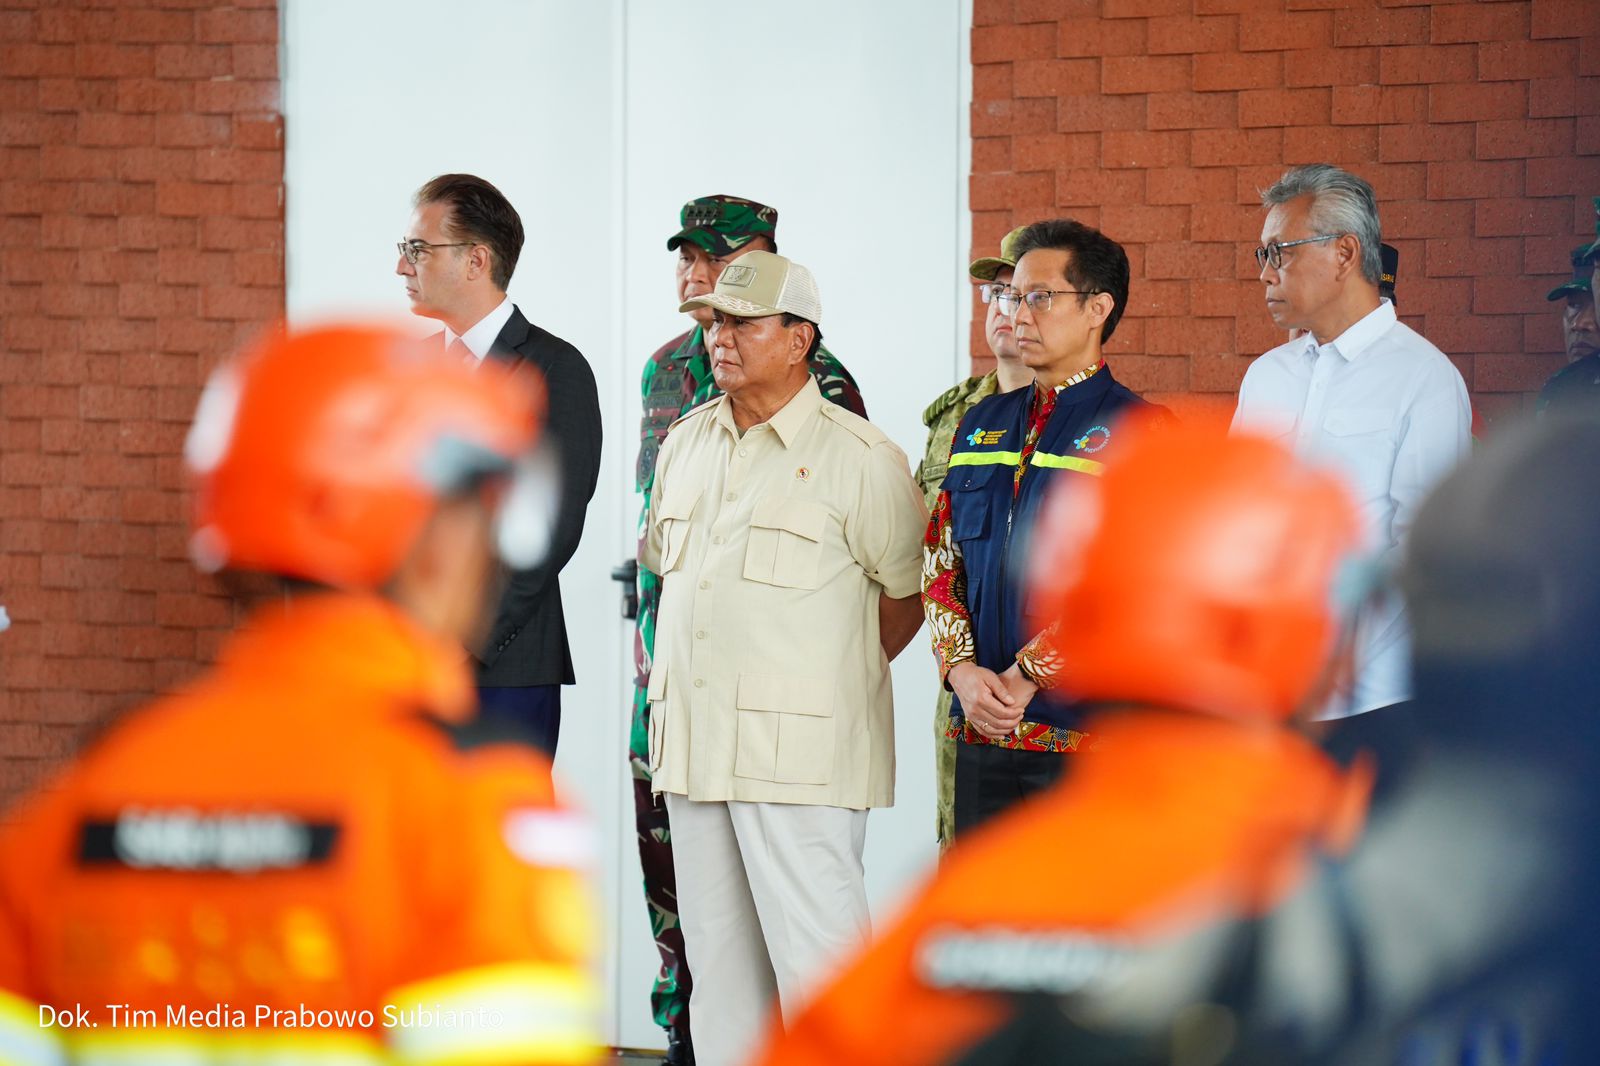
{"type": "Point", "coordinates": [481, 336]}
{"type": "Point", "coordinates": [1388, 411]}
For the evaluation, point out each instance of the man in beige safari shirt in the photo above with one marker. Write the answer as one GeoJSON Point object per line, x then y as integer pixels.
{"type": "Point", "coordinates": [788, 535]}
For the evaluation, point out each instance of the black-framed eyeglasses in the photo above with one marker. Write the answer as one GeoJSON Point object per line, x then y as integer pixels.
{"type": "Point", "coordinates": [990, 291]}
{"type": "Point", "coordinates": [412, 249]}
{"type": "Point", "coordinates": [1272, 251]}
{"type": "Point", "coordinates": [1039, 300]}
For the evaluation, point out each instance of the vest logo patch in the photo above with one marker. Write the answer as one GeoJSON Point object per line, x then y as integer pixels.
{"type": "Point", "coordinates": [1007, 960]}
{"type": "Point", "coordinates": [979, 437]}
{"type": "Point", "coordinates": [1094, 440]}
{"type": "Point", "coordinates": [190, 841]}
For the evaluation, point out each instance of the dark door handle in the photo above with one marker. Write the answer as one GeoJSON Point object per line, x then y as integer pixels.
{"type": "Point", "coordinates": [628, 574]}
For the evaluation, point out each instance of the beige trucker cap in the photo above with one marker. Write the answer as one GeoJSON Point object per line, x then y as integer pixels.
{"type": "Point", "coordinates": [758, 284]}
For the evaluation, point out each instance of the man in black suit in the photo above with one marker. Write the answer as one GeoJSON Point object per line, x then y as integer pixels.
{"type": "Point", "coordinates": [457, 257]}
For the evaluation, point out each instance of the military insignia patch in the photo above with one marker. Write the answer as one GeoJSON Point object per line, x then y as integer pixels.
{"type": "Point", "coordinates": [1097, 437]}
{"type": "Point", "coordinates": [803, 474]}
{"type": "Point", "coordinates": [985, 436]}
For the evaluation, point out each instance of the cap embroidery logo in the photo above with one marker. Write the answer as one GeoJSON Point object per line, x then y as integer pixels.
{"type": "Point", "coordinates": [737, 276]}
{"type": "Point", "coordinates": [979, 437]}
{"type": "Point", "coordinates": [1097, 437]}
{"type": "Point", "coordinates": [702, 214]}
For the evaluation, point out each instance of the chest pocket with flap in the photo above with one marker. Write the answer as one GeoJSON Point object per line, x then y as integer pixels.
{"type": "Point", "coordinates": [785, 546]}
{"type": "Point", "coordinates": [1359, 441]}
{"type": "Point", "coordinates": [674, 517]}
{"type": "Point", "coordinates": [969, 487]}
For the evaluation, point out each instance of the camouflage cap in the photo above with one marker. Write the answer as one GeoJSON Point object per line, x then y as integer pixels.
{"type": "Point", "coordinates": [1582, 264]}
{"type": "Point", "coordinates": [986, 268]}
{"type": "Point", "coordinates": [1389, 256]}
{"type": "Point", "coordinates": [1591, 251]}
{"type": "Point", "coordinates": [724, 224]}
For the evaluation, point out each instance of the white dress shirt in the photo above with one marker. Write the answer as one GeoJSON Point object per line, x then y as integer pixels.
{"type": "Point", "coordinates": [1389, 412]}
{"type": "Point", "coordinates": [480, 338]}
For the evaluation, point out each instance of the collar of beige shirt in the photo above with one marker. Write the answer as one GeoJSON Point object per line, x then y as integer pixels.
{"type": "Point", "coordinates": [789, 420]}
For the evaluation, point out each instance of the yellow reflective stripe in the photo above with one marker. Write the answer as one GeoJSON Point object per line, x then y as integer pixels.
{"type": "Point", "coordinates": [1067, 462]}
{"type": "Point", "coordinates": [254, 1047]}
{"type": "Point", "coordinates": [510, 1013]}
{"type": "Point", "coordinates": [22, 1041]}
{"type": "Point", "coordinates": [1044, 459]}
{"type": "Point", "coordinates": [985, 458]}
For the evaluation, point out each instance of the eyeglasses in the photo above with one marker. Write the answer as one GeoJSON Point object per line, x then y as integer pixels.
{"type": "Point", "coordinates": [412, 249]}
{"type": "Point", "coordinates": [1038, 300]}
{"type": "Point", "coordinates": [991, 291]}
{"type": "Point", "coordinates": [1272, 252]}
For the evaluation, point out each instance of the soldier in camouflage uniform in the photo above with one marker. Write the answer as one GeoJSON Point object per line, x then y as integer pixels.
{"type": "Point", "coordinates": [714, 231]}
{"type": "Point", "coordinates": [992, 273]}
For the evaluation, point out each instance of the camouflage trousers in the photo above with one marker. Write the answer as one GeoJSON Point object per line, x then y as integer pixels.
{"type": "Point", "coordinates": [944, 771]}
{"type": "Point", "coordinates": [669, 996]}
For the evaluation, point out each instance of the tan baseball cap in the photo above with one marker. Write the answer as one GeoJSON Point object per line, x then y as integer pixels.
{"type": "Point", "coordinates": [759, 284]}
{"type": "Point", "coordinates": [986, 268]}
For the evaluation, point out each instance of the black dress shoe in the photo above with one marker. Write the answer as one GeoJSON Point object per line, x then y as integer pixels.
{"type": "Point", "coordinates": [680, 1051]}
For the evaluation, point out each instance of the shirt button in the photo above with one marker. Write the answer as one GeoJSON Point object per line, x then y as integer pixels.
{"type": "Point", "coordinates": [699, 682]}
{"type": "Point", "coordinates": [743, 453]}
{"type": "Point", "coordinates": [730, 497]}
{"type": "Point", "coordinates": [700, 634]}
{"type": "Point", "coordinates": [716, 540]}
{"type": "Point", "coordinates": [705, 584]}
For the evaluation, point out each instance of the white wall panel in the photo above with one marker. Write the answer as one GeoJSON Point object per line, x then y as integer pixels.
{"type": "Point", "coordinates": [598, 121]}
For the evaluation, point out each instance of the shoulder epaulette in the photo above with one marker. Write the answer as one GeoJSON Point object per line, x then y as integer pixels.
{"type": "Point", "coordinates": [690, 413]}
{"type": "Point", "coordinates": [671, 346]}
{"type": "Point", "coordinates": [950, 397]}
{"type": "Point", "coordinates": [868, 433]}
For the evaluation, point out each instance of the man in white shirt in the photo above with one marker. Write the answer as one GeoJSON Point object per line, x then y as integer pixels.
{"type": "Point", "coordinates": [1355, 389]}
{"type": "Point", "coordinates": [456, 258]}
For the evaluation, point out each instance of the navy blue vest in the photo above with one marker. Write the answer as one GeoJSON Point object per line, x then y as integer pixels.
{"type": "Point", "coordinates": [992, 529]}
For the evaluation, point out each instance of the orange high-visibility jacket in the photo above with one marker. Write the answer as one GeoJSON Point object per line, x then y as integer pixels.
{"type": "Point", "coordinates": [1173, 821]}
{"type": "Point", "coordinates": [305, 856]}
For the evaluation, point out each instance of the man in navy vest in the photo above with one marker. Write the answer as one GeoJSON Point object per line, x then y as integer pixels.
{"type": "Point", "coordinates": [1069, 291]}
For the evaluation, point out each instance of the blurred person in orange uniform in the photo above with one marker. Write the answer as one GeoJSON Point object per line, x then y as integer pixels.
{"type": "Point", "coordinates": [1196, 582]}
{"type": "Point", "coordinates": [1209, 905]}
{"type": "Point", "coordinates": [314, 852]}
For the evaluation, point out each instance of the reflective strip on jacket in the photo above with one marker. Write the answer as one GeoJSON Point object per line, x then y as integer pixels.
{"type": "Point", "coordinates": [991, 527]}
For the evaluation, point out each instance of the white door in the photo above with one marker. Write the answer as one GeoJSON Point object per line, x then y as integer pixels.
{"type": "Point", "coordinates": [598, 121]}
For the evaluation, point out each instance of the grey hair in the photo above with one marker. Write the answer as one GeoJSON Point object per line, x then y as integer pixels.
{"type": "Point", "coordinates": [1341, 203]}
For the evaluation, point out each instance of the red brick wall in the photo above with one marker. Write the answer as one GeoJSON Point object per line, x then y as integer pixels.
{"type": "Point", "coordinates": [141, 238]}
{"type": "Point", "coordinates": [1157, 120]}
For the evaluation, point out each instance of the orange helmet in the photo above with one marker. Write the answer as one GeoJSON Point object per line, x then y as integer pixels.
{"type": "Point", "coordinates": [320, 455]}
{"type": "Point", "coordinates": [1199, 572]}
